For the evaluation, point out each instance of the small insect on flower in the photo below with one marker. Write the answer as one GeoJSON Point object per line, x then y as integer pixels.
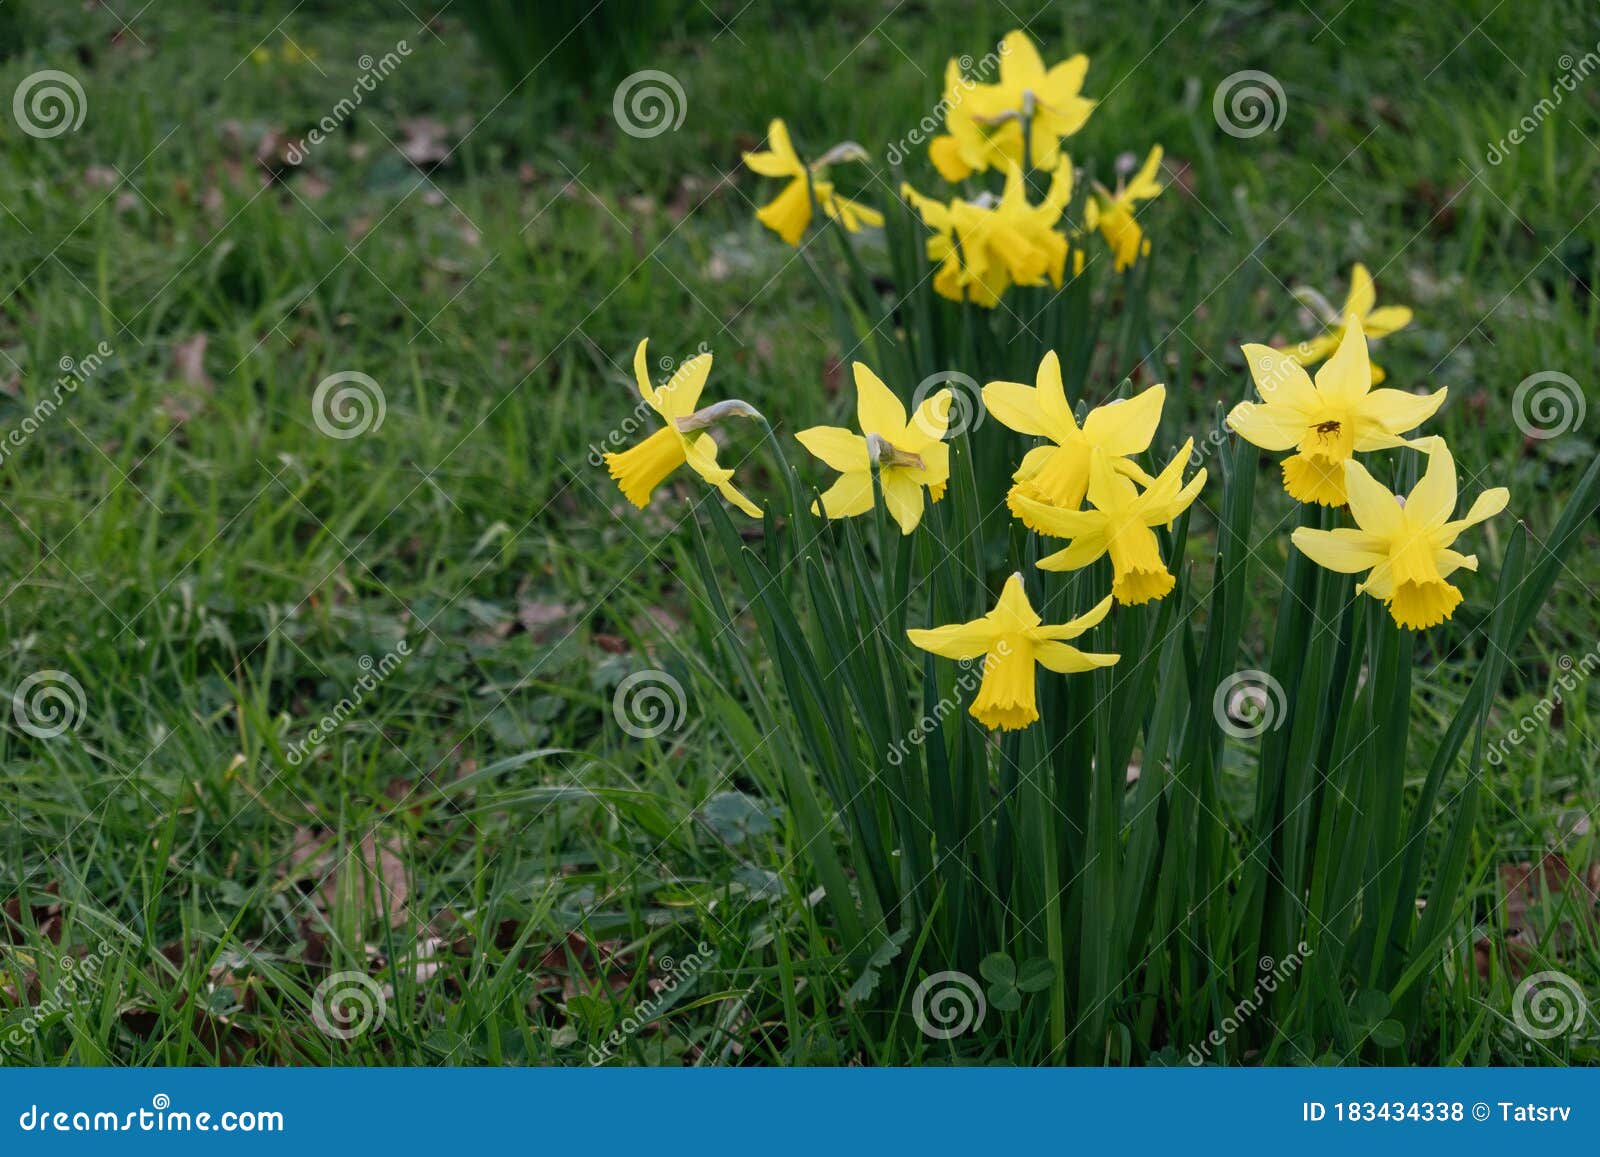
{"type": "Point", "coordinates": [1362, 305]}
{"type": "Point", "coordinates": [1058, 474]}
{"type": "Point", "coordinates": [985, 122]}
{"type": "Point", "coordinates": [640, 469]}
{"type": "Point", "coordinates": [985, 246]}
{"type": "Point", "coordinates": [1329, 422]}
{"type": "Point", "coordinates": [908, 455]}
{"type": "Point", "coordinates": [1119, 525]}
{"type": "Point", "coordinates": [1404, 545]}
{"type": "Point", "coordinates": [789, 213]}
{"type": "Point", "coordinates": [1113, 213]}
{"type": "Point", "coordinates": [1011, 640]}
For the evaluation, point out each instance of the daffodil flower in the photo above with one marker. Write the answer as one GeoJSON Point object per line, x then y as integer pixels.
{"type": "Point", "coordinates": [1329, 422]}
{"type": "Point", "coordinates": [908, 455]}
{"type": "Point", "coordinates": [985, 246]}
{"type": "Point", "coordinates": [985, 122]}
{"type": "Point", "coordinates": [1058, 474]}
{"type": "Point", "coordinates": [789, 213]}
{"type": "Point", "coordinates": [640, 469]}
{"type": "Point", "coordinates": [1119, 525]}
{"type": "Point", "coordinates": [1404, 544]}
{"type": "Point", "coordinates": [1361, 304]}
{"type": "Point", "coordinates": [1113, 213]}
{"type": "Point", "coordinates": [1012, 641]}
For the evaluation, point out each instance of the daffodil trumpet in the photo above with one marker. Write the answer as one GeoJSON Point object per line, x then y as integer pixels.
{"type": "Point", "coordinates": [1012, 641]}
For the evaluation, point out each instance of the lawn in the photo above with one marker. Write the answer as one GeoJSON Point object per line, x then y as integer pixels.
{"type": "Point", "coordinates": [317, 596]}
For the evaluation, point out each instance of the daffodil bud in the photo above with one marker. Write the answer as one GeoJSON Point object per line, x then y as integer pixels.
{"type": "Point", "coordinates": [884, 453]}
{"type": "Point", "coordinates": [711, 415]}
{"type": "Point", "coordinates": [841, 153]}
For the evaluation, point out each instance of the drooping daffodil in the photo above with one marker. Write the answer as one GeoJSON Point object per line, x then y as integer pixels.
{"type": "Point", "coordinates": [640, 469]}
{"type": "Point", "coordinates": [1404, 544]}
{"type": "Point", "coordinates": [985, 122]}
{"type": "Point", "coordinates": [1362, 304]}
{"type": "Point", "coordinates": [910, 455]}
{"type": "Point", "coordinates": [1328, 422]}
{"type": "Point", "coordinates": [789, 213]}
{"type": "Point", "coordinates": [1120, 524]}
{"type": "Point", "coordinates": [1012, 641]}
{"type": "Point", "coordinates": [1113, 213]}
{"type": "Point", "coordinates": [984, 246]}
{"type": "Point", "coordinates": [1058, 474]}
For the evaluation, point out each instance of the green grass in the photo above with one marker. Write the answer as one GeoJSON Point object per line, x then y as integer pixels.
{"type": "Point", "coordinates": [211, 569]}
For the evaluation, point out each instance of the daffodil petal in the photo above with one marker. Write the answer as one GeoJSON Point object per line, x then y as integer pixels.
{"type": "Point", "coordinates": [1065, 659]}
{"type": "Point", "coordinates": [836, 447]}
{"type": "Point", "coordinates": [1347, 376]}
{"type": "Point", "coordinates": [877, 409]}
{"type": "Point", "coordinates": [1281, 380]}
{"type": "Point", "coordinates": [1372, 504]}
{"type": "Point", "coordinates": [1123, 428]}
{"type": "Point", "coordinates": [1343, 550]}
{"type": "Point", "coordinates": [957, 641]}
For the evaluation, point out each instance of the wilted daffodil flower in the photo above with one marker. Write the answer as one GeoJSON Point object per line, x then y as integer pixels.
{"type": "Point", "coordinates": [1058, 475]}
{"type": "Point", "coordinates": [789, 213]}
{"type": "Point", "coordinates": [642, 468]}
{"type": "Point", "coordinates": [1011, 641]}
{"type": "Point", "coordinates": [1361, 304]}
{"type": "Point", "coordinates": [1329, 422]}
{"type": "Point", "coordinates": [985, 122]}
{"type": "Point", "coordinates": [908, 455]}
{"type": "Point", "coordinates": [1404, 544]}
{"type": "Point", "coordinates": [1113, 213]}
{"type": "Point", "coordinates": [985, 246]}
{"type": "Point", "coordinates": [1120, 525]}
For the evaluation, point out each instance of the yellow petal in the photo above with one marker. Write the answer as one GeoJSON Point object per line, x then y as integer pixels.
{"type": "Point", "coordinates": [945, 153]}
{"type": "Point", "coordinates": [957, 641]}
{"type": "Point", "coordinates": [1433, 499]}
{"type": "Point", "coordinates": [781, 160]}
{"type": "Point", "coordinates": [1072, 628]}
{"type": "Point", "coordinates": [789, 213]}
{"type": "Point", "coordinates": [1344, 550]}
{"type": "Point", "coordinates": [641, 373]}
{"type": "Point", "coordinates": [1363, 296]}
{"type": "Point", "coordinates": [1053, 520]}
{"type": "Point", "coordinates": [1281, 379]}
{"type": "Point", "coordinates": [1123, 428]}
{"type": "Point", "coordinates": [1065, 659]}
{"type": "Point", "coordinates": [1395, 412]}
{"type": "Point", "coordinates": [1347, 375]}
{"type": "Point", "coordinates": [836, 447]}
{"type": "Point", "coordinates": [1016, 406]}
{"type": "Point", "coordinates": [853, 215]}
{"type": "Point", "coordinates": [878, 411]}
{"type": "Point", "coordinates": [1267, 426]}
{"type": "Point", "coordinates": [903, 497]}
{"type": "Point", "coordinates": [1012, 611]}
{"type": "Point", "coordinates": [1487, 505]}
{"type": "Point", "coordinates": [849, 496]}
{"type": "Point", "coordinates": [1085, 549]}
{"type": "Point", "coordinates": [1372, 504]}
{"type": "Point", "coordinates": [930, 422]}
{"type": "Point", "coordinates": [1384, 321]}
{"type": "Point", "coordinates": [679, 397]}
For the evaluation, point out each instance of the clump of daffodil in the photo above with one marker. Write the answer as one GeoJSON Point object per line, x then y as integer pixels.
{"type": "Point", "coordinates": [1120, 524]}
{"type": "Point", "coordinates": [985, 122]}
{"type": "Point", "coordinates": [1113, 213]}
{"type": "Point", "coordinates": [909, 455]}
{"type": "Point", "coordinates": [1404, 544]}
{"type": "Point", "coordinates": [1012, 640]}
{"type": "Point", "coordinates": [1058, 474]}
{"type": "Point", "coordinates": [789, 213]}
{"type": "Point", "coordinates": [1329, 422]}
{"type": "Point", "coordinates": [986, 245]}
{"type": "Point", "coordinates": [640, 469]}
{"type": "Point", "coordinates": [1362, 305]}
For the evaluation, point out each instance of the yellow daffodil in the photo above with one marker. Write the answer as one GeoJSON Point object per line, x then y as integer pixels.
{"type": "Point", "coordinates": [1119, 525]}
{"type": "Point", "coordinates": [1012, 641]}
{"type": "Point", "coordinates": [1361, 304]}
{"type": "Point", "coordinates": [1058, 474]}
{"type": "Point", "coordinates": [789, 213]}
{"type": "Point", "coordinates": [985, 121]}
{"type": "Point", "coordinates": [909, 455]}
{"type": "Point", "coordinates": [1113, 213]}
{"type": "Point", "coordinates": [1329, 422]}
{"type": "Point", "coordinates": [640, 469]}
{"type": "Point", "coordinates": [1404, 544]}
{"type": "Point", "coordinates": [985, 246]}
